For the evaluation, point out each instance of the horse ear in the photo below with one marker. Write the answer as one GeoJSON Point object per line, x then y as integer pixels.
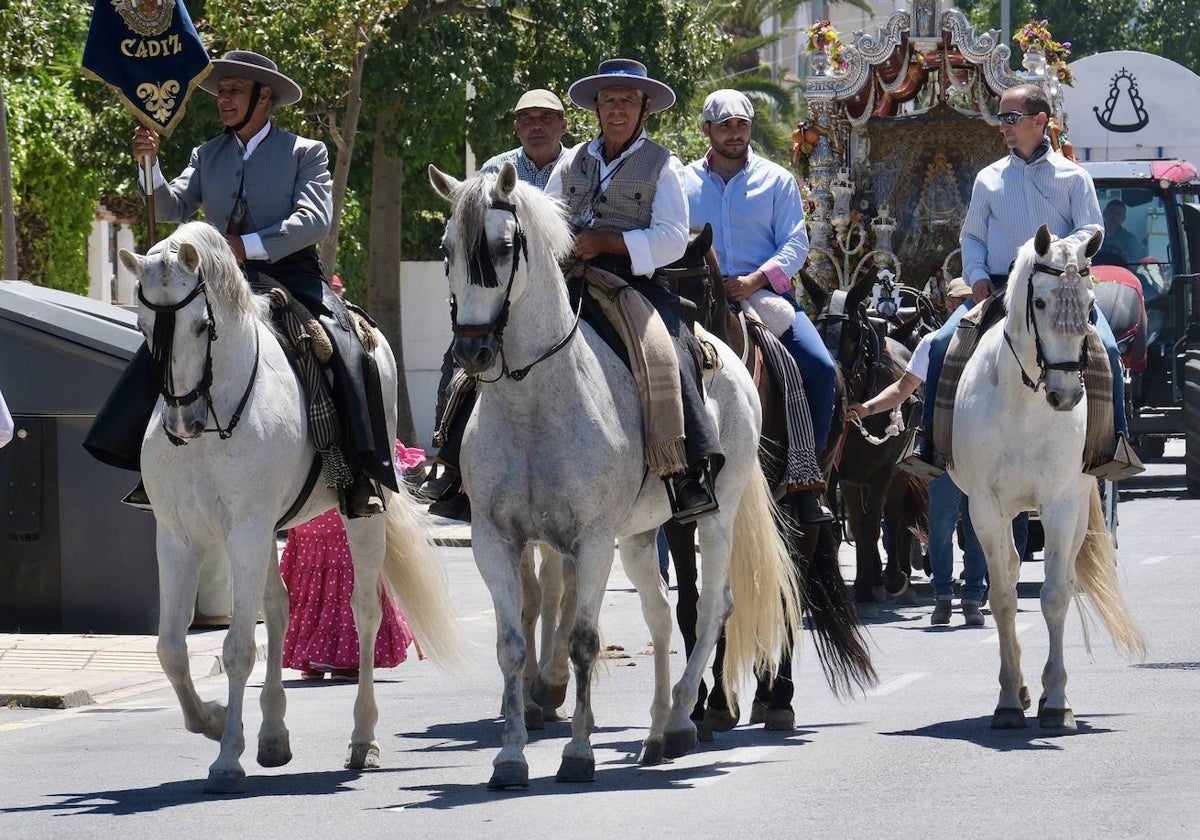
{"type": "Point", "coordinates": [859, 291]}
{"type": "Point", "coordinates": [133, 263]}
{"type": "Point", "coordinates": [189, 257]}
{"type": "Point", "coordinates": [904, 332]}
{"type": "Point", "coordinates": [704, 238]}
{"type": "Point", "coordinates": [507, 182]}
{"type": "Point", "coordinates": [1041, 241]}
{"type": "Point", "coordinates": [443, 184]}
{"type": "Point", "coordinates": [816, 292]}
{"type": "Point", "coordinates": [1093, 244]}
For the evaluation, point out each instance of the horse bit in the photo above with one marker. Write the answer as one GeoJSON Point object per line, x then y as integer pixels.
{"type": "Point", "coordinates": [482, 272]}
{"type": "Point", "coordinates": [160, 353]}
{"type": "Point", "coordinates": [1073, 275]}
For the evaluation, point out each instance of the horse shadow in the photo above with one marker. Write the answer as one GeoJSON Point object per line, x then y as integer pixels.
{"type": "Point", "coordinates": [978, 731]}
{"type": "Point", "coordinates": [486, 733]}
{"type": "Point", "coordinates": [147, 800]}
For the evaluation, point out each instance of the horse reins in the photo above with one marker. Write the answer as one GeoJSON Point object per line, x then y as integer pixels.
{"type": "Point", "coordinates": [482, 272]}
{"type": "Point", "coordinates": [1079, 366]}
{"type": "Point", "coordinates": [160, 352]}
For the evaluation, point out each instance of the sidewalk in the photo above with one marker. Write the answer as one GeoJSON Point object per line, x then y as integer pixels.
{"type": "Point", "coordinates": [64, 670]}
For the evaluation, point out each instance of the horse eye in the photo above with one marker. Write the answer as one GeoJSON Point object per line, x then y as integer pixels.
{"type": "Point", "coordinates": [1039, 303]}
{"type": "Point", "coordinates": [201, 327]}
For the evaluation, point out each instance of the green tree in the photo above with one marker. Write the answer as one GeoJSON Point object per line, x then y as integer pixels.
{"type": "Point", "coordinates": [1171, 28]}
{"type": "Point", "coordinates": [1092, 27]}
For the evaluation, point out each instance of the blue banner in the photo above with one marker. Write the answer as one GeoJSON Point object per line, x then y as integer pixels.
{"type": "Point", "coordinates": [149, 53]}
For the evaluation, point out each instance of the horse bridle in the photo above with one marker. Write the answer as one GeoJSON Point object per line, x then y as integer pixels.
{"type": "Point", "coordinates": [482, 272]}
{"type": "Point", "coordinates": [160, 354]}
{"type": "Point", "coordinates": [1078, 366]}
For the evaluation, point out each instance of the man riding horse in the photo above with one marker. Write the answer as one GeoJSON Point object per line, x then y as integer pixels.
{"type": "Point", "coordinates": [270, 192]}
{"type": "Point", "coordinates": [626, 201]}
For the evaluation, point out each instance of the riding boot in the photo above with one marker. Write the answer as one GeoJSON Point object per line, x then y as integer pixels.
{"type": "Point", "coordinates": [691, 493]}
{"type": "Point", "coordinates": [362, 498]}
{"type": "Point", "coordinates": [923, 462]}
{"type": "Point", "coordinates": [116, 435]}
{"type": "Point", "coordinates": [442, 485]}
{"type": "Point", "coordinates": [809, 509]}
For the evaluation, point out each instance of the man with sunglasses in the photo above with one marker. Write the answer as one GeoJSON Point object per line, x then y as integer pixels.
{"type": "Point", "coordinates": [1031, 186]}
{"type": "Point", "coordinates": [270, 192]}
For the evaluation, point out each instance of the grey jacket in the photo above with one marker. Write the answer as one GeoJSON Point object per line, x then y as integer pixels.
{"type": "Point", "coordinates": [288, 189]}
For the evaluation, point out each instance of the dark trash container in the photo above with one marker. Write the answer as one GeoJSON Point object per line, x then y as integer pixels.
{"type": "Point", "coordinates": [72, 558]}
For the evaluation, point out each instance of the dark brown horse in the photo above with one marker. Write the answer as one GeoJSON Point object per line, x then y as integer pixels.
{"type": "Point", "coordinates": [873, 490]}
{"type": "Point", "coordinates": [840, 646]}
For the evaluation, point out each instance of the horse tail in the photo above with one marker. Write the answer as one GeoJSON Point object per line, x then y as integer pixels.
{"type": "Point", "coordinates": [410, 570]}
{"type": "Point", "coordinates": [833, 621]}
{"type": "Point", "coordinates": [765, 587]}
{"type": "Point", "coordinates": [1096, 577]}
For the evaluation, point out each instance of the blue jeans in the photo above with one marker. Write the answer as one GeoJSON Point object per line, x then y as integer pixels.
{"type": "Point", "coordinates": [937, 355]}
{"type": "Point", "coordinates": [945, 502]}
{"type": "Point", "coordinates": [817, 371]}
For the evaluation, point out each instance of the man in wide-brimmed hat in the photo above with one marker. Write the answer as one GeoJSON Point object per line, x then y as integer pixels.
{"type": "Point", "coordinates": [625, 196]}
{"type": "Point", "coordinates": [270, 192]}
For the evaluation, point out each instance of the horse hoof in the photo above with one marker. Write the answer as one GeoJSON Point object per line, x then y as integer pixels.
{"type": "Point", "coordinates": [1009, 719]}
{"type": "Point", "coordinates": [652, 752]}
{"type": "Point", "coordinates": [1061, 719]}
{"type": "Point", "coordinates": [897, 587]}
{"type": "Point", "coordinates": [226, 781]}
{"type": "Point", "coordinates": [720, 720]}
{"type": "Point", "coordinates": [275, 752]}
{"type": "Point", "coordinates": [704, 730]}
{"type": "Point", "coordinates": [548, 695]}
{"type": "Point", "coordinates": [680, 742]}
{"type": "Point", "coordinates": [508, 775]}
{"type": "Point", "coordinates": [575, 769]}
{"type": "Point", "coordinates": [780, 720]}
{"type": "Point", "coordinates": [879, 593]}
{"type": "Point", "coordinates": [535, 718]}
{"type": "Point", "coordinates": [758, 712]}
{"type": "Point", "coordinates": [867, 609]}
{"type": "Point", "coordinates": [363, 757]}
{"type": "Point", "coordinates": [551, 714]}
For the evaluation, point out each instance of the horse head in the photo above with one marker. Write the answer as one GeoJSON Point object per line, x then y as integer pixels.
{"type": "Point", "coordinates": [845, 329]}
{"type": "Point", "coordinates": [501, 233]}
{"type": "Point", "coordinates": [1049, 299]}
{"type": "Point", "coordinates": [187, 284]}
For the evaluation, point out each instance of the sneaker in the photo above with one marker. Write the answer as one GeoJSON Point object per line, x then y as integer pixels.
{"type": "Point", "coordinates": [941, 613]}
{"type": "Point", "coordinates": [972, 615]}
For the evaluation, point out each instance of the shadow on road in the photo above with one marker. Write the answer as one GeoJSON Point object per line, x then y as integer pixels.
{"type": "Point", "coordinates": [978, 731]}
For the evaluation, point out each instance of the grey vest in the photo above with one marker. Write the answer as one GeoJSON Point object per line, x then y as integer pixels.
{"type": "Point", "coordinates": [627, 199]}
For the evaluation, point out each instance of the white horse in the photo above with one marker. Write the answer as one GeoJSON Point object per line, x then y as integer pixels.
{"type": "Point", "coordinates": [554, 454]}
{"type": "Point", "coordinates": [229, 492]}
{"type": "Point", "coordinates": [1017, 450]}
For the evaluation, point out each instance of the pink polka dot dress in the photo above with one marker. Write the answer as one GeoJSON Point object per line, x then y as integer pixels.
{"type": "Point", "coordinates": [319, 574]}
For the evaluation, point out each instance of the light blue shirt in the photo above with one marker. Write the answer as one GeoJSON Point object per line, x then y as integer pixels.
{"type": "Point", "coordinates": [757, 218]}
{"type": "Point", "coordinates": [527, 170]}
{"type": "Point", "coordinates": [1012, 197]}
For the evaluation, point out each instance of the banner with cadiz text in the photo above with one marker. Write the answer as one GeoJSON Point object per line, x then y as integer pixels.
{"type": "Point", "coordinates": [149, 53]}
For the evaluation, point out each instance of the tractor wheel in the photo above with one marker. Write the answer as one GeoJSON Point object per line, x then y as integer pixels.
{"type": "Point", "coordinates": [1191, 421]}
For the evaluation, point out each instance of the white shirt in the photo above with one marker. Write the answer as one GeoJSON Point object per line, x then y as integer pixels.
{"type": "Point", "coordinates": [6, 423]}
{"type": "Point", "coordinates": [252, 242]}
{"type": "Point", "coordinates": [918, 365]}
{"type": "Point", "coordinates": [666, 239]}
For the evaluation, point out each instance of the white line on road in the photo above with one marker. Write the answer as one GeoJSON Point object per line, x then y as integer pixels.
{"type": "Point", "coordinates": [1150, 561]}
{"type": "Point", "coordinates": [894, 685]}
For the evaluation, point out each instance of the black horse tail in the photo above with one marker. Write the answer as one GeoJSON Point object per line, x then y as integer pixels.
{"type": "Point", "coordinates": [832, 618]}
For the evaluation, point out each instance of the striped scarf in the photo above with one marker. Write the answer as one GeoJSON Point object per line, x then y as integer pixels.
{"type": "Point", "coordinates": [802, 466]}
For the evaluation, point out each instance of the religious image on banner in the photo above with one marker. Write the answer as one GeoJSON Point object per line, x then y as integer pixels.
{"type": "Point", "coordinates": [148, 51]}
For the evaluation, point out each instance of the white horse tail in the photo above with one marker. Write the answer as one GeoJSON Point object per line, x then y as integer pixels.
{"type": "Point", "coordinates": [765, 585]}
{"type": "Point", "coordinates": [1096, 577]}
{"type": "Point", "coordinates": [411, 571]}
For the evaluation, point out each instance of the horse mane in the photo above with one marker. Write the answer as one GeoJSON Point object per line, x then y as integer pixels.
{"type": "Point", "coordinates": [1020, 275]}
{"type": "Point", "coordinates": [544, 219]}
{"type": "Point", "coordinates": [218, 266]}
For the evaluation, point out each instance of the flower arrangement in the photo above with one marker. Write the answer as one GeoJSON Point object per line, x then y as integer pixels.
{"type": "Point", "coordinates": [1035, 37]}
{"type": "Point", "coordinates": [823, 38]}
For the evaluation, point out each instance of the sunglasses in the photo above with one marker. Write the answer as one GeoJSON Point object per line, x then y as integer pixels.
{"type": "Point", "coordinates": [1013, 117]}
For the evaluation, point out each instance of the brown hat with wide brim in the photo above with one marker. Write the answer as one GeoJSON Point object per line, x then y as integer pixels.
{"type": "Point", "coordinates": [243, 64]}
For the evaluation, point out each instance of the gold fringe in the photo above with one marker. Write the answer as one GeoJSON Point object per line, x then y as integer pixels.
{"type": "Point", "coordinates": [666, 457]}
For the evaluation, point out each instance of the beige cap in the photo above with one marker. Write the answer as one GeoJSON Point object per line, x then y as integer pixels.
{"type": "Point", "coordinates": [539, 98]}
{"type": "Point", "coordinates": [958, 288]}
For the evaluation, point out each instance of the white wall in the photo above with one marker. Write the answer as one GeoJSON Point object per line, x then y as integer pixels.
{"type": "Point", "coordinates": [425, 324]}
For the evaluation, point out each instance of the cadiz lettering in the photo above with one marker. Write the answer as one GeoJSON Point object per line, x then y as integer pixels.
{"type": "Point", "coordinates": [151, 47]}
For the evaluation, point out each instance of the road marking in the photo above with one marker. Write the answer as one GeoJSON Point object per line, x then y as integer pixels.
{"type": "Point", "coordinates": [1150, 561]}
{"type": "Point", "coordinates": [894, 685]}
{"type": "Point", "coordinates": [994, 638]}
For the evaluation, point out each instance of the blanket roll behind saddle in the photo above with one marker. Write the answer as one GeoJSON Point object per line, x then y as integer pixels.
{"type": "Point", "coordinates": [1097, 381]}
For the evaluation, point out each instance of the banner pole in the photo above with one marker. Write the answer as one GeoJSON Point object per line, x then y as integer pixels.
{"type": "Point", "coordinates": [148, 180]}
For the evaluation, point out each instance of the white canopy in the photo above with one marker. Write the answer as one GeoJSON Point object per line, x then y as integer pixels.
{"type": "Point", "coordinates": [1128, 105]}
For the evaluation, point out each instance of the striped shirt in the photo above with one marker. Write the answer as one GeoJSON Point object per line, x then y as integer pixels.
{"type": "Point", "coordinates": [527, 170]}
{"type": "Point", "coordinates": [1012, 197]}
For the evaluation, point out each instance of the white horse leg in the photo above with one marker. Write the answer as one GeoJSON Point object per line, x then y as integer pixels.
{"type": "Point", "coordinates": [249, 548]}
{"type": "Point", "coordinates": [558, 612]}
{"type": "Point", "coordinates": [531, 608]}
{"type": "Point", "coordinates": [499, 562]}
{"type": "Point", "coordinates": [178, 581]}
{"type": "Point", "coordinates": [639, 557]}
{"type": "Point", "coordinates": [367, 538]}
{"type": "Point", "coordinates": [593, 565]}
{"type": "Point", "coordinates": [994, 531]}
{"type": "Point", "coordinates": [712, 609]}
{"type": "Point", "coordinates": [274, 747]}
{"type": "Point", "coordinates": [1064, 538]}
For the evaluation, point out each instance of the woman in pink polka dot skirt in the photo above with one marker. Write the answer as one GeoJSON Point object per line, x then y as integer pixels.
{"type": "Point", "coordinates": [319, 574]}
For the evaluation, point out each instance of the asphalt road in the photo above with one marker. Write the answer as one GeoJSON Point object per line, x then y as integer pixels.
{"type": "Point", "coordinates": [914, 757]}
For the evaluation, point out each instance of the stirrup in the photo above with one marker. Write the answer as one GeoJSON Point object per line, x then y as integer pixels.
{"type": "Point", "coordinates": [703, 500]}
{"type": "Point", "coordinates": [137, 498]}
{"type": "Point", "coordinates": [1123, 464]}
{"type": "Point", "coordinates": [917, 466]}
